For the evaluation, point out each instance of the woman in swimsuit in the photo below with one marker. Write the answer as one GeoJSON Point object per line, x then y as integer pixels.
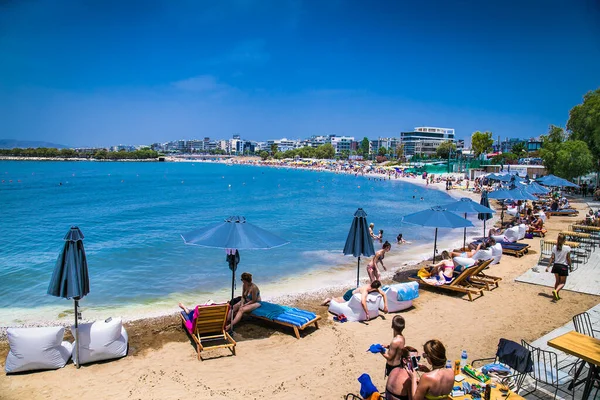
{"type": "Point", "coordinates": [372, 269]}
{"type": "Point", "coordinates": [437, 383]}
{"type": "Point", "coordinates": [444, 269]}
{"type": "Point", "coordinates": [250, 300]}
{"type": "Point", "coordinates": [398, 383]}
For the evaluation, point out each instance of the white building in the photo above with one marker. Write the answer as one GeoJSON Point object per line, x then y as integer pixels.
{"type": "Point", "coordinates": [425, 140]}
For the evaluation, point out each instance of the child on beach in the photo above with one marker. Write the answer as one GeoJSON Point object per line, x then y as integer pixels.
{"type": "Point", "coordinates": [400, 239]}
{"type": "Point", "coordinates": [392, 355]}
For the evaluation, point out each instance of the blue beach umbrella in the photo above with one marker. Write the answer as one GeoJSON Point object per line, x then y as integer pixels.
{"type": "Point", "coordinates": [467, 206]}
{"type": "Point", "coordinates": [70, 278]}
{"type": "Point", "coordinates": [536, 188]}
{"type": "Point", "coordinates": [359, 241]}
{"type": "Point", "coordinates": [553, 180]}
{"type": "Point", "coordinates": [233, 234]}
{"type": "Point", "coordinates": [436, 217]}
{"type": "Point", "coordinates": [484, 216]}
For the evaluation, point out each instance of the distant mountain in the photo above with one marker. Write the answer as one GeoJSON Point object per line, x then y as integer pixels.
{"type": "Point", "coordinates": [23, 144]}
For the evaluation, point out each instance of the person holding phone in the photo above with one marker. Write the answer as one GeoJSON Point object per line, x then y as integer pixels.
{"type": "Point", "coordinates": [437, 382]}
{"type": "Point", "coordinates": [392, 355]}
{"type": "Point", "coordinates": [398, 385]}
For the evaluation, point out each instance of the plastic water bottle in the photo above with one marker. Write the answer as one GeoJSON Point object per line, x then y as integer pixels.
{"type": "Point", "coordinates": [448, 364]}
{"type": "Point", "coordinates": [463, 359]}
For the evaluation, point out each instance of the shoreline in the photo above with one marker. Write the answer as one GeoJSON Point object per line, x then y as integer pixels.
{"type": "Point", "coordinates": [285, 289]}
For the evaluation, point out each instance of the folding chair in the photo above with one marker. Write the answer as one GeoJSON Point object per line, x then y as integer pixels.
{"type": "Point", "coordinates": [514, 356]}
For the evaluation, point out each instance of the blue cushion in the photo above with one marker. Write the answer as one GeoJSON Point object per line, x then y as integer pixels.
{"type": "Point", "coordinates": [279, 313]}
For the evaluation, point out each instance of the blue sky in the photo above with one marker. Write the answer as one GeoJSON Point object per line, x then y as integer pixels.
{"type": "Point", "coordinates": [96, 73]}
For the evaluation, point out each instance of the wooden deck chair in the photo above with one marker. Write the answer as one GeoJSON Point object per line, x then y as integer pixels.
{"type": "Point", "coordinates": [479, 277]}
{"type": "Point", "coordinates": [459, 284]}
{"type": "Point", "coordinates": [208, 329]}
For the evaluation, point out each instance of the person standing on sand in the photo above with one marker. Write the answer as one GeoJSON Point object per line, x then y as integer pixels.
{"type": "Point", "coordinates": [392, 355]}
{"type": "Point", "coordinates": [561, 265]}
{"type": "Point", "coordinates": [372, 269]}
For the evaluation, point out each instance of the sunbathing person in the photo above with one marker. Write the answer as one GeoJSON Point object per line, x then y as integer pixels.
{"type": "Point", "coordinates": [398, 383]}
{"type": "Point", "coordinates": [250, 300]}
{"type": "Point", "coordinates": [444, 269]}
{"type": "Point", "coordinates": [364, 291]}
{"type": "Point", "coordinates": [436, 383]}
{"type": "Point", "coordinates": [467, 253]}
{"type": "Point", "coordinates": [483, 254]}
{"type": "Point", "coordinates": [392, 355]}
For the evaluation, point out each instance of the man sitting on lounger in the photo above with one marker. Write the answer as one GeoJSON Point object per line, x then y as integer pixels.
{"type": "Point", "coordinates": [364, 291]}
{"type": "Point", "coordinates": [483, 254]}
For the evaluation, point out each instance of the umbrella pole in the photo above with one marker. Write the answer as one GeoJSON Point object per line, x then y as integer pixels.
{"type": "Point", "coordinates": [484, 228]}
{"type": "Point", "coordinates": [77, 364]}
{"type": "Point", "coordinates": [232, 292]}
{"type": "Point", "coordinates": [358, 272]}
{"type": "Point", "coordinates": [465, 235]}
{"type": "Point", "coordinates": [434, 245]}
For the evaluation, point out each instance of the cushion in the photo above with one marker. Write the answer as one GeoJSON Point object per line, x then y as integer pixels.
{"type": "Point", "coordinates": [400, 296]}
{"type": "Point", "coordinates": [36, 348]}
{"type": "Point", "coordinates": [512, 234]}
{"type": "Point", "coordinates": [353, 310]}
{"type": "Point", "coordinates": [101, 340]}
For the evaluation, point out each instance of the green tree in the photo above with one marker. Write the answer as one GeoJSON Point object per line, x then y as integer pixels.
{"type": "Point", "coordinates": [365, 146]}
{"type": "Point", "coordinates": [289, 154]}
{"type": "Point", "coordinates": [264, 155]}
{"type": "Point", "coordinates": [400, 151]}
{"type": "Point", "coordinates": [551, 144]}
{"type": "Point", "coordinates": [519, 149]}
{"type": "Point", "coordinates": [325, 151]}
{"type": "Point", "coordinates": [345, 154]}
{"type": "Point", "coordinates": [584, 123]}
{"type": "Point", "coordinates": [573, 159]}
{"type": "Point", "coordinates": [274, 148]}
{"type": "Point", "coordinates": [481, 142]}
{"type": "Point", "coordinates": [445, 148]}
{"type": "Point", "coordinates": [278, 155]}
{"type": "Point", "coordinates": [382, 151]}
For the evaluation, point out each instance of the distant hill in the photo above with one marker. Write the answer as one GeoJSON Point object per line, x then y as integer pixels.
{"type": "Point", "coordinates": [23, 144]}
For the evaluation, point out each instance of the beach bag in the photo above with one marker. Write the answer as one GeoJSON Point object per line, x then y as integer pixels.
{"type": "Point", "coordinates": [529, 236]}
{"type": "Point", "coordinates": [423, 273]}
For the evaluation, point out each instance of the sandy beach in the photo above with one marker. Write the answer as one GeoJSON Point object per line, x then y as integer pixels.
{"type": "Point", "coordinates": [324, 363]}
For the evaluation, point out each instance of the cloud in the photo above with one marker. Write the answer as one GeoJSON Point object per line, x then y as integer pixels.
{"type": "Point", "coordinates": [202, 83]}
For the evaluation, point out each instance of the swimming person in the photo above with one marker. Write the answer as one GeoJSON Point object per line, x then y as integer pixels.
{"type": "Point", "coordinates": [372, 269]}
{"type": "Point", "coordinates": [364, 291]}
{"type": "Point", "coordinates": [250, 300]}
{"type": "Point", "coordinates": [400, 239]}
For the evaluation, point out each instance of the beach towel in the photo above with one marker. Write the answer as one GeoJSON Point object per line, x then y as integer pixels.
{"type": "Point", "coordinates": [277, 312]}
{"type": "Point", "coordinates": [367, 388]}
{"type": "Point", "coordinates": [376, 348]}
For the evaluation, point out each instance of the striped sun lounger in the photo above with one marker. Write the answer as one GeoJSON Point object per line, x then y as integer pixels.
{"type": "Point", "coordinates": [287, 316]}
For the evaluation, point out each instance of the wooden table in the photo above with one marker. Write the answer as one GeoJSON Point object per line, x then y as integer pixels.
{"type": "Point", "coordinates": [585, 348]}
{"type": "Point", "coordinates": [572, 245]}
{"type": "Point", "coordinates": [587, 228]}
{"type": "Point", "coordinates": [496, 393]}
{"type": "Point", "coordinates": [576, 234]}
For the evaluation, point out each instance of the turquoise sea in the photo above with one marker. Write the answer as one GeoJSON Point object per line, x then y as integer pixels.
{"type": "Point", "coordinates": [132, 215]}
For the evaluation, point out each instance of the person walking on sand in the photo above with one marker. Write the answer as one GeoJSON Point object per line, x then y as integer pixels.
{"type": "Point", "coordinates": [561, 265]}
{"type": "Point", "coordinates": [392, 355]}
{"type": "Point", "coordinates": [372, 269]}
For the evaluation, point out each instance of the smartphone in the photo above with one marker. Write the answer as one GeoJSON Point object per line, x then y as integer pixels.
{"type": "Point", "coordinates": [414, 363]}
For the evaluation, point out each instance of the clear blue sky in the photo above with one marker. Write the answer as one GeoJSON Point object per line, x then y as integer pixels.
{"type": "Point", "coordinates": [133, 72]}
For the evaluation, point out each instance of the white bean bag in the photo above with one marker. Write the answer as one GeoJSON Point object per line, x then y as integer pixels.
{"type": "Point", "coordinates": [406, 289]}
{"type": "Point", "coordinates": [463, 262]}
{"type": "Point", "coordinates": [496, 253]}
{"type": "Point", "coordinates": [37, 348]}
{"type": "Point", "coordinates": [353, 310]}
{"type": "Point", "coordinates": [522, 231]}
{"type": "Point", "coordinates": [100, 340]}
{"type": "Point", "coordinates": [512, 234]}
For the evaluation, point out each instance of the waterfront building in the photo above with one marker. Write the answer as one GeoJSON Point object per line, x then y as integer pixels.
{"type": "Point", "coordinates": [390, 145]}
{"type": "Point", "coordinates": [425, 140]}
{"type": "Point", "coordinates": [341, 143]}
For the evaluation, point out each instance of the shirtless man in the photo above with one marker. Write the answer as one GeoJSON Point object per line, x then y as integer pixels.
{"type": "Point", "coordinates": [392, 355]}
{"type": "Point", "coordinates": [364, 291]}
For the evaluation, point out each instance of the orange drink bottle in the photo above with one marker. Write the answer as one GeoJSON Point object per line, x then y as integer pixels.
{"type": "Point", "coordinates": [456, 367]}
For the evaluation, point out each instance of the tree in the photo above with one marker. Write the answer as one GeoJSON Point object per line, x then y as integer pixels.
{"type": "Point", "coordinates": [481, 142]}
{"type": "Point", "coordinates": [519, 149]}
{"type": "Point", "coordinates": [574, 159]}
{"type": "Point", "coordinates": [325, 151]}
{"type": "Point", "coordinates": [278, 155]}
{"type": "Point", "coordinates": [445, 148]}
{"type": "Point", "coordinates": [551, 144]}
{"type": "Point", "coordinates": [365, 145]}
{"type": "Point", "coordinates": [382, 151]}
{"type": "Point", "coordinates": [400, 151]}
{"type": "Point", "coordinates": [584, 122]}
{"type": "Point", "coordinates": [264, 155]}
{"type": "Point", "coordinates": [274, 148]}
{"type": "Point", "coordinates": [344, 154]}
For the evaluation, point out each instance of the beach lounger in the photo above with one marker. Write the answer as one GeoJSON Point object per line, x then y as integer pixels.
{"type": "Point", "coordinates": [538, 232]}
{"type": "Point", "coordinates": [562, 213]}
{"type": "Point", "coordinates": [514, 249]}
{"type": "Point", "coordinates": [287, 316]}
{"type": "Point", "coordinates": [479, 277]}
{"type": "Point", "coordinates": [207, 328]}
{"type": "Point", "coordinates": [460, 283]}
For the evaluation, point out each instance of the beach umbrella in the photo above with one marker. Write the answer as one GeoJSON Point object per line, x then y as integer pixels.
{"type": "Point", "coordinates": [467, 206]}
{"type": "Point", "coordinates": [553, 180]}
{"type": "Point", "coordinates": [436, 217]}
{"type": "Point", "coordinates": [233, 234]}
{"type": "Point", "coordinates": [70, 278]}
{"type": "Point", "coordinates": [519, 194]}
{"type": "Point", "coordinates": [359, 241]}
{"type": "Point", "coordinates": [484, 216]}
{"type": "Point", "coordinates": [536, 188]}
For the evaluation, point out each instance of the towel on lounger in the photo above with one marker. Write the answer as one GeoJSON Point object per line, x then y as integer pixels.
{"type": "Point", "coordinates": [279, 313]}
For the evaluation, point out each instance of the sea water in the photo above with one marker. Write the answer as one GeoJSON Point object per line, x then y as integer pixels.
{"type": "Point", "coordinates": [133, 214]}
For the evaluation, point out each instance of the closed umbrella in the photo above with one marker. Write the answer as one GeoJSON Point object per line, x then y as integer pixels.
{"type": "Point", "coordinates": [233, 234]}
{"type": "Point", "coordinates": [436, 217]}
{"type": "Point", "coordinates": [70, 278]}
{"type": "Point", "coordinates": [359, 241]}
{"type": "Point", "coordinates": [467, 206]}
{"type": "Point", "coordinates": [484, 216]}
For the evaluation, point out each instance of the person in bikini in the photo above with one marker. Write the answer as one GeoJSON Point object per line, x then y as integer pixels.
{"type": "Point", "coordinates": [250, 300]}
{"type": "Point", "coordinates": [444, 270]}
{"type": "Point", "coordinates": [392, 355]}
{"type": "Point", "coordinates": [437, 382]}
{"type": "Point", "coordinates": [398, 385]}
{"type": "Point", "coordinates": [372, 269]}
